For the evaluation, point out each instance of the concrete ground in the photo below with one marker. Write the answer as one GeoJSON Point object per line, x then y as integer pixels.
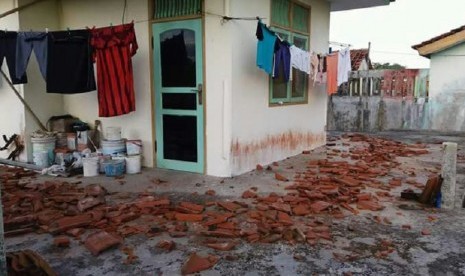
{"type": "Point", "coordinates": [359, 236]}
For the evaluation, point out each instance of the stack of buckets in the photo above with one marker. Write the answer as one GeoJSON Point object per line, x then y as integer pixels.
{"type": "Point", "coordinates": [125, 154]}
{"type": "Point", "coordinates": [43, 150]}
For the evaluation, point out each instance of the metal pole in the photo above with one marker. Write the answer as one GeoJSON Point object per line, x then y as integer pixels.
{"type": "Point", "coordinates": [20, 8]}
{"type": "Point", "coordinates": [24, 102]}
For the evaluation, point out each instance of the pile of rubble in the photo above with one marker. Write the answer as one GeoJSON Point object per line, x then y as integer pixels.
{"type": "Point", "coordinates": [327, 189]}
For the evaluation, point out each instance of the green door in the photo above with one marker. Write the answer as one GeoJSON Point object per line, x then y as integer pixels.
{"type": "Point", "coordinates": [178, 76]}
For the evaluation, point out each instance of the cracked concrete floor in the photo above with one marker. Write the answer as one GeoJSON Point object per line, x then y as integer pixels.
{"type": "Point", "coordinates": [441, 253]}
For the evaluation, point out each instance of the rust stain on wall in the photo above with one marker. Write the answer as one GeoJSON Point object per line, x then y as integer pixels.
{"type": "Point", "coordinates": [285, 141]}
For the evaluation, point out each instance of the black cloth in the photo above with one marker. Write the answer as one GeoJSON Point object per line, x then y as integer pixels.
{"type": "Point", "coordinates": [259, 32]}
{"type": "Point", "coordinates": [8, 51]}
{"type": "Point", "coordinates": [70, 68]}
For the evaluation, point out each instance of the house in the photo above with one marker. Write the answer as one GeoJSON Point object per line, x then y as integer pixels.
{"type": "Point", "coordinates": [222, 115]}
{"type": "Point", "coordinates": [446, 79]}
{"type": "Point", "coordinates": [360, 59]}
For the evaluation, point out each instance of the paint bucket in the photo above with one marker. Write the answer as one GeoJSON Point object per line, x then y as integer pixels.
{"type": "Point", "coordinates": [133, 164]}
{"type": "Point", "coordinates": [102, 160]}
{"type": "Point", "coordinates": [113, 148]}
{"type": "Point", "coordinates": [62, 140]}
{"type": "Point", "coordinates": [114, 167]}
{"type": "Point", "coordinates": [40, 158]}
{"type": "Point", "coordinates": [71, 140]}
{"type": "Point", "coordinates": [134, 147]}
{"type": "Point", "coordinates": [113, 133]}
{"type": "Point", "coordinates": [44, 144]}
{"type": "Point", "coordinates": [90, 166]}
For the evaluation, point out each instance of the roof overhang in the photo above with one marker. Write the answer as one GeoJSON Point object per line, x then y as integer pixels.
{"type": "Point", "coordinates": [344, 5]}
{"type": "Point", "coordinates": [441, 43]}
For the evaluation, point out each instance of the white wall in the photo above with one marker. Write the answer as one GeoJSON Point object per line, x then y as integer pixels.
{"type": "Point", "coordinates": [11, 109]}
{"type": "Point", "coordinates": [89, 13]}
{"type": "Point", "coordinates": [38, 17]}
{"type": "Point", "coordinates": [263, 134]}
{"type": "Point", "coordinates": [218, 57]}
{"type": "Point", "coordinates": [447, 89]}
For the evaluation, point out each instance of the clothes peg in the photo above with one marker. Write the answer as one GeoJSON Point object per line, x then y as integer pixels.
{"type": "Point", "coordinates": [46, 30]}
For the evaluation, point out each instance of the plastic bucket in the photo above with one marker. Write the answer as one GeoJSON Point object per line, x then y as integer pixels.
{"type": "Point", "coordinates": [133, 164]}
{"type": "Point", "coordinates": [71, 140]}
{"type": "Point", "coordinates": [62, 140]}
{"type": "Point", "coordinates": [114, 167]}
{"type": "Point", "coordinates": [102, 160]}
{"type": "Point", "coordinates": [91, 166]}
{"type": "Point", "coordinates": [40, 158]}
{"type": "Point", "coordinates": [113, 148]}
{"type": "Point", "coordinates": [113, 133]}
{"type": "Point", "coordinates": [44, 144]}
{"type": "Point", "coordinates": [134, 147]}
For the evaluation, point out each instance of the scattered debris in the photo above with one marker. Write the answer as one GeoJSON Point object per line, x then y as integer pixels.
{"type": "Point", "coordinates": [196, 263]}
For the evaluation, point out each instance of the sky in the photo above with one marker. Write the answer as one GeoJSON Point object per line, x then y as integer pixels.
{"type": "Point", "coordinates": [393, 29]}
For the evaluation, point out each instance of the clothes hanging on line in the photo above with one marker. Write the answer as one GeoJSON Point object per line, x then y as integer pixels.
{"type": "Point", "coordinates": [314, 63]}
{"type": "Point", "coordinates": [300, 59]}
{"type": "Point", "coordinates": [282, 60]}
{"type": "Point", "coordinates": [113, 48]}
{"type": "Point", "coordinates": [343, 66]}
{"type": "Point", "coordinates": [332, 69]}
{"type": "Point", "coordinates": [26, 43]}
{"type": "Point", "coordinates": [70, 66]}
{"type": "Point", "coordinates": [265, 47]}
{"type": "Point", "coordinates": [8, 42]}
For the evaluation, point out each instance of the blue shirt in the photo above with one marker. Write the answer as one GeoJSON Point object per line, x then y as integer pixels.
{"type": "Point", "coordinates": [265, 48]}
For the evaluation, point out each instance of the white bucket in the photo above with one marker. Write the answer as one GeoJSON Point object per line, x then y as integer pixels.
{"type": "Point", "coordinates": [44, 144]}
{"type": "Point", "coordinates": [113, 148]}
{"type": "Point", "coordinates": [91, 166]}
{"type": "Point", "coordinates": [71, 141]}
{"type": "Point", "coordinates": [134, 147]}
{"type": "Point", "coordinates": [133, 164]}
{"type": "Point", "coordinates": [40, 158]}
{"type": "Point", "coordinates": [113, 133]}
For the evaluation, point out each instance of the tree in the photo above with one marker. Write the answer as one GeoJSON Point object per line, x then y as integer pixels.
{"type": "Point", "coordinates": [387, 65]}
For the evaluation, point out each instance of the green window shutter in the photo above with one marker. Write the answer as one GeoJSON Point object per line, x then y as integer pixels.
{"type": "Point", "coordinates": [176, 8]}
{"type": "Point", "coordinates": [300, 18]}
{"type": "Point", "coordinates": [280, 13]}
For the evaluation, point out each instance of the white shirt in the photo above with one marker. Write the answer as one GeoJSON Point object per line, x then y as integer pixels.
{"type": "Point", "coordinates": [300, 59]}
{"type": "Point", "coordinates": [343, 66]}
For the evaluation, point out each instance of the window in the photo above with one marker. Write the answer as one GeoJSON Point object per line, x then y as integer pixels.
{"type": "Point", "coordinates": [291, 21]}
{"type": "Point", "coordinates": [176, 8]}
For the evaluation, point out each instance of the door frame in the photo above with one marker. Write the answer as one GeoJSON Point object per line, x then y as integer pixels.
{"type": "Point", "coordinates": [152, 80]}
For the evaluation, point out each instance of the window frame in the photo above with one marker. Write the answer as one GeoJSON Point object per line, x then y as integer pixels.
{"type": "Point", "coordinates": [291, 33]}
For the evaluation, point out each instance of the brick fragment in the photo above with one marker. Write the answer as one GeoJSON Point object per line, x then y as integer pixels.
{"type": "Point", "coordinates": [249, 194]}
{"type": "Point", "coordinates": [230, 206]}
{"type": "Point", "coordinates": [369, 205]}
{"type": "Point", "coordinates": [281, 207]}
{"type": "Point", "coordinates": [301, 210]}
{"type": "Point", "coordinates": [220, 233]}
{"type": "Point", "coordinates": [259, 167]}
{"type": "Point", "coordinates": [425, 232]}
{"type": "Point", "coordinates": [210, 192]}
{"type": "Point", "coordinates": [363, 196]}
{"type": "Point", "coordinates": [188, 217]}
{"type": "Point", "coordinates": [100, 241]}
{"type": "Point", "coordinates": [61, 241]}
{"type": "Point", "coordinates": [89, 202]}
{"type": "Point", "coordinates": [67, 223]}
{"type": "Point", "coordinates": [195, 208]}
{"type": "Point", "coordinates": [196, 263]}
{"type": "Point", "coordinates": [280, 177]}
{"type": "Point", "coordinates": [320, 206]}
{"type": "Point", "coordinates": [224, 246]}
{"type": "Point", "coordinates": [166, 245]}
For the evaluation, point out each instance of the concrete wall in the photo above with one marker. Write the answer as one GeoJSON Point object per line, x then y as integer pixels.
{"type": "Point", "coordinates": [375, 113]}
{"type": "Point", "coordinates": [447, 89]}
{"type": "Point", "coordinates": [12, 110]}
{"type": "Point", "coordinates": [89, 13]}
{"type": "Point", "coordinates": [42, 103]}
{"type": "Point", "coordinates": [260, 133]}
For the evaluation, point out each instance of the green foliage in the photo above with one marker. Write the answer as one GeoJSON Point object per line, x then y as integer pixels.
{"type": "Point", "coordinates": [387, 65]}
